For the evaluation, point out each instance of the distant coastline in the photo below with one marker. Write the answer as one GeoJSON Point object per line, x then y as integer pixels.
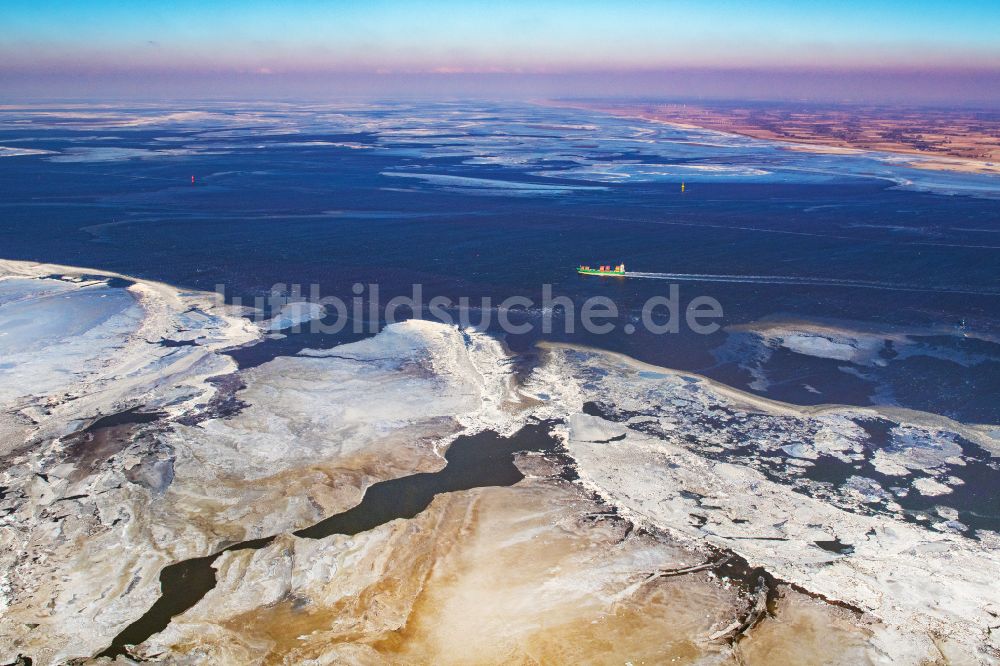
{"type": "Point", "coordinates": [961, 140]}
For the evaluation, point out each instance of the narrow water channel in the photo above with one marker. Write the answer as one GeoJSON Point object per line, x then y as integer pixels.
{"type": "Point", "coordinates": [473, 461]}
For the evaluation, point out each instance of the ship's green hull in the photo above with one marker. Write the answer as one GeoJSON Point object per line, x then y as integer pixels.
{"type": "Point", "coordinates": [589, 271]}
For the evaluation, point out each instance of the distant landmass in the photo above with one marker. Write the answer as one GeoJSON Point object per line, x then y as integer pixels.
{"type": "Point", "coordinates": [960, 139]}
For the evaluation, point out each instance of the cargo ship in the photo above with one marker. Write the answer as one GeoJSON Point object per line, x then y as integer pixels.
{"type": "Point", "coordinates": [602, 270]}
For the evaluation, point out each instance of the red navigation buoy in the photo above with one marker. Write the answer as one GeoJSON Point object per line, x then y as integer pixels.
{"type": "Point", "coordinates": [192, 180]}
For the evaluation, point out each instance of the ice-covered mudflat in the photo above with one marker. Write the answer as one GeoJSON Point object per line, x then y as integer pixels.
{"type": "Point", "coordinates": [716, 465]}
{"type": "Point", "coordinates": [124, 456]}
{"type": "Point", "coordinates": [77, 344]}
{"type": "Point", "coordinates": [682, 519]}
{"type": "Point", "coordinates": [78, 348]}
{"type": "Point", "coordinates": [536, 573]}
{"type": "Point", "coordinates": [702, 469]}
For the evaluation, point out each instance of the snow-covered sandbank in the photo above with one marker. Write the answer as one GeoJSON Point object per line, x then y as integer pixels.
{"type": "Point", "coordinates": [133, 442]}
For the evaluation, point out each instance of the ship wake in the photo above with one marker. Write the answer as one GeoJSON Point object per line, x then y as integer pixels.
{"type": "Point", "coordinates": [797, 280]}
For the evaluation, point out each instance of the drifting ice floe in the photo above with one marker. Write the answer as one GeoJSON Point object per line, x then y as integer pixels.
{"type": "Point", "coordinates": [8, 151]}
{"type": "Point", "coordinates": [490, 186]}
{"type": "Point", "coordinates": [532, 139]}
{"type": "Point", "coordinates": [295, 314]}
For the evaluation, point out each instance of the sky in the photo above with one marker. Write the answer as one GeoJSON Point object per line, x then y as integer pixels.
{"type": "Point", "coordinates": [946, 51]}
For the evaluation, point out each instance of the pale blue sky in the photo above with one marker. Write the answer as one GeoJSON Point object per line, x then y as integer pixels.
{"type": "Point", "coordinates": [295, 37]}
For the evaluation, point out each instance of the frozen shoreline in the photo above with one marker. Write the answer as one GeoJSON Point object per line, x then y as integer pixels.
{"type": "Point", "coordinates": [75, 528]}
{"type": "Point", "coordinates": [930, 588]}
{"type": "Point", "coordinates": [93, 512]}
{"type": "Point", "coordinates": [709, 465]}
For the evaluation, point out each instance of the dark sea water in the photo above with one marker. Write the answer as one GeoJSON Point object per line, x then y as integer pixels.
{"type": "Point", "coordinates": [476, 199]}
